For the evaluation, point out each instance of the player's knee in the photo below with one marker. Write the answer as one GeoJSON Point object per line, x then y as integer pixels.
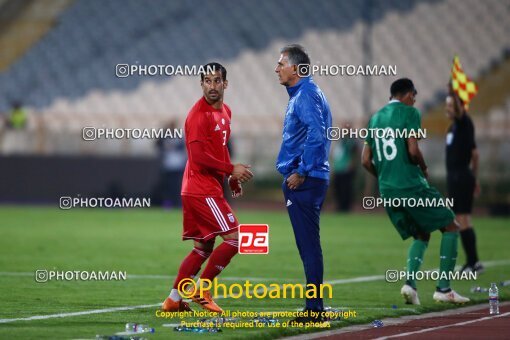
{"type": "Point", "coordinates": [452, 227]}
{"type": "Point", "coordinates": [463, 221]}
{"type": "Point", "coordinates": [231, 236]}
{"type": "Point", "coordinates": [425, 237]}
{"type": "Point", "coordinates": [205, 246]}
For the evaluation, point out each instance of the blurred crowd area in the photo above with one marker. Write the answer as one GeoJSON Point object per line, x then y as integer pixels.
{"type": "Point", "coordinates": [59, 57]}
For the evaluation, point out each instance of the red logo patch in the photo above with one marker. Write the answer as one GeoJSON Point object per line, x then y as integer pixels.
{"type": "Point", "coordinates": [253, 239]}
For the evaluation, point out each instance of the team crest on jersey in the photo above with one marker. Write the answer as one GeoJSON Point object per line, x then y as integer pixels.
{"type": "Point", "coordinates": [223, 121]}
{"type": "Point", "coordinates": [217, 128]}
{"type": "Point", "coordinates": [231, 217]}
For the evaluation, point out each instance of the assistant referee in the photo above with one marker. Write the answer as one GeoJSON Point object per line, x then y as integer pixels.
{"type": "Point", "coordinates": [462, 171]}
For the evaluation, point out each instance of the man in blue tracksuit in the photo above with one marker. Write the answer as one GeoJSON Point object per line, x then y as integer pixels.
{"type": "Point", "coordinates": [303, 161]}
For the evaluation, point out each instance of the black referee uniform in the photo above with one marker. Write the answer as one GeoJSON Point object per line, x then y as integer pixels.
{"type": "Point", "coordinates": [460, 142]}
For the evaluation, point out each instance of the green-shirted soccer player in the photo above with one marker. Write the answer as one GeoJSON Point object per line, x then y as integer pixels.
{"type": "Point", "coordinates": [400, 168]}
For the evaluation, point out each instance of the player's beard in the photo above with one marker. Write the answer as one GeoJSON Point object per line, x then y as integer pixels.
{"type": "Point", "coordinates": [214, 98]}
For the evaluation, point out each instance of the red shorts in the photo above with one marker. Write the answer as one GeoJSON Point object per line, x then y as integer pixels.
{"type": "Point", "coordinates": [206, 217]}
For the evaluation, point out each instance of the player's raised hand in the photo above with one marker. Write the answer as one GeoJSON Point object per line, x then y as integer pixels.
{"type": "Point", "coordinates": [235, 187]}
{"type": "Point", "coordinates": [242, 172]}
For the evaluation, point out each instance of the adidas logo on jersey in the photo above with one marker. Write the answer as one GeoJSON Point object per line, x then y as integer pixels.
{"type": "Point", "coordinates": [217, 128]}
{"type": "Point", "coordinates": [289, 203]}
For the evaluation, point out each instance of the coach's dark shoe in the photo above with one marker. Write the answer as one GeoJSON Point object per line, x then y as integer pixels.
{"type": "Point", "coordinates": [466, 269]}
{"type": "Point", "coordinates": [478, 268]}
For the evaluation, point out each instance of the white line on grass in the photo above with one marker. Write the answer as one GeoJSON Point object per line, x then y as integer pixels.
{"type": "Point", "coordinates": [108, 310]}
{"type": "Point", "coordinates": [356, 279]}
{"type": "Point", "coordinates": [115, 309]}
{"type": "Point", "coordinates": [351, 331]}
{"type": "Point", "coordinates": [487, 264]}
{"type": "Point", "coordinates": [64, 315]}
{"type": "Point", "coordinates": [227, 278]}
{"type": "Point", "coordinates": [16, 274]}
{"type": "Point", "coordinates": [164, 277]}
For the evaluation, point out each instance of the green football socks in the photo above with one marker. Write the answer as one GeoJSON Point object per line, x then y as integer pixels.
{"type": "Point", "coordinates": [447, 258]}
{"type": "Point", "coordinates": [415, 259]}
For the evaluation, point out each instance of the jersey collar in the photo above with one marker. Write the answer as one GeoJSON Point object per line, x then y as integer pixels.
{"type": "Point", "coordinates": [291, 90]}
{"type": "Point", "coordinates": [209, 106]}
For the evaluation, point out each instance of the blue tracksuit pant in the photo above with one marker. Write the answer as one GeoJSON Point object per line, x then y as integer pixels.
{"type": "Point", "coordinates": [304, 206]}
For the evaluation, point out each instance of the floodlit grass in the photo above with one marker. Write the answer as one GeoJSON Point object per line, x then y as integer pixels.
{"type": "Point", "coordinates": [148, 242]}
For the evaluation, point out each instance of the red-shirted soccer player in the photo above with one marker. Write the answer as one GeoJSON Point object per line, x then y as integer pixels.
{"type": "Point", "coordinates": [206, 212]}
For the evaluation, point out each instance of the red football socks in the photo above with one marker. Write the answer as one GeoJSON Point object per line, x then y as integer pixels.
{"type": "Point", "coordinates": [190, 266]}
{"type": "Point", "coordinates": [219, 259]}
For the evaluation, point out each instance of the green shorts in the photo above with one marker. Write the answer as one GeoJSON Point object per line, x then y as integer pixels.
{"type": "Point", "coordinates": [424, 212]}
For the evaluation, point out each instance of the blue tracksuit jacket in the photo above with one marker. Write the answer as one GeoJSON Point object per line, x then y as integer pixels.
{"type": "Point", "coordinates": [305, 146]}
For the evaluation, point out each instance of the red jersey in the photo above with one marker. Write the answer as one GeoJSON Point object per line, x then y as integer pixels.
{"type": "Point", "coordinates": [209, 126]}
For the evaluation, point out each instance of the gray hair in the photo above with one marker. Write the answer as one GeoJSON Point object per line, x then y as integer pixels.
{"type": "Point", "coordinates": [297, 54]}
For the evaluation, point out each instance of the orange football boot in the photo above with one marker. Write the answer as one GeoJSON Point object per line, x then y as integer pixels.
{"type": "Point", "coordinates": [170, 305]}
{"type": "Point", "coordinates": [206, 302]}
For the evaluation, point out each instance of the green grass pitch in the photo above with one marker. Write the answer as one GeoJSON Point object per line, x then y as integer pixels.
{"type": "Point", "coordinates": [147, 242]}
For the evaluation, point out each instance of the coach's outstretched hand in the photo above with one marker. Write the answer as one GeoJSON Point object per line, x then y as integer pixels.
{"type": "Point", "coordinates": [242, 172]}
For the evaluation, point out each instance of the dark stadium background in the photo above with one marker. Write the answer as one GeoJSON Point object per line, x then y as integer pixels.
{"type": "Point", "coordinates": [58, 59]}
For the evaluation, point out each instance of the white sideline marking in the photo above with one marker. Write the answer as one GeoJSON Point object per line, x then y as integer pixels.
{"type": "Point", "coordinates": [63, 315]}
{"type": "Point", "coordinates": [350, 331]}
{"type": "Point", "coordinates": [108, 310]}
{"type": "Point", "coordinates": [445, 326]}
{"type": "Point", "coordinates": [487, 264]}
{"type": "Point", "coordinates": [16, 274]}
{"type": "Point", "coordinates": [227, 278]}
{"type": "Point", "coordinates": [115, 309]}
{"type": "Point", "coordinates": [356, 279]}
{"type": "Point", "coordinates": [165, 277]}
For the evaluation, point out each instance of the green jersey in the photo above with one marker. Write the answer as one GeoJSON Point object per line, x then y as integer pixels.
{"type": "Point", "coordinates": [395, 171]}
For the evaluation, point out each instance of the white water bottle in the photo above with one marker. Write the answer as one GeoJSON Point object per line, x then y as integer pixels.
{"type": "Point", "coordinates": [143, 329]}
{"type": "Point", "coordinates": [132, 327]}
{"type": "Point", "coordinates": [493, 299]}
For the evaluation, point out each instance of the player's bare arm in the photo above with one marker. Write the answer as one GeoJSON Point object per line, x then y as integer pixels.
{"type": "Point", "coordinates": [416, 156]}
{"type": "Point", "coordinates": [366, 160]}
